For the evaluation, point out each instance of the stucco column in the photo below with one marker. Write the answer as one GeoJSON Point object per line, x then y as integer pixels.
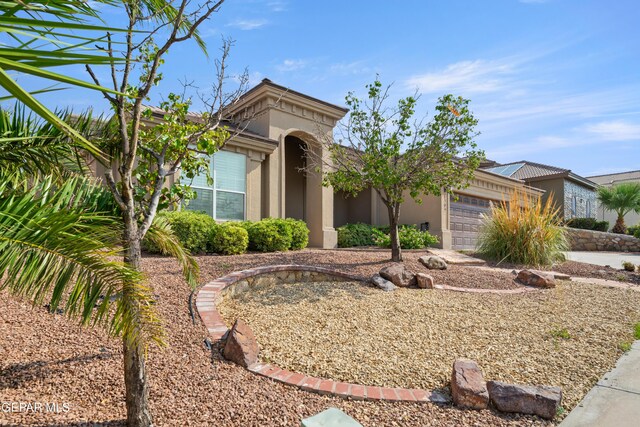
{"type": "Point", "coordinates": [319, 212]}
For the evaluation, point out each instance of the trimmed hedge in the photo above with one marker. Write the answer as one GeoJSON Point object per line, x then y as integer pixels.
{"type": "Point", "coordinates": [229, 238]}
{"type": "Point", "coordinates": [269, 235]}
{"type": "Point", "coordinates": [410, 238]}
{"type": "Point", "coordinates": [352, 235]}
{"type": "Point", "coordinates": [588, 224]}
{"type": "Point", "coordinates": [193, 229]}
{"type": "Point", "coordinates": [299, 234]}
{"type": "Point", "coordinates": [199, 233]}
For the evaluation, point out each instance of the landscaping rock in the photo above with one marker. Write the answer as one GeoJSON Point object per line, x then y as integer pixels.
{"type": "Point", "coordinates": [534, 400]}
{"type": "Point", "coordinates": [241, 346]}
{"type": "Point", "coordinates": [424, 281]}
{"type": "Point", "coordinates": [468, 387]}
{"type": "Point", "coordinates": [433, 262]}
{"type": "Point", "coordinates": [399, 275]}
{"type": "Point", "coordinates": [538, 279]}
{"type": "Point", "coordinates": [383, 283]}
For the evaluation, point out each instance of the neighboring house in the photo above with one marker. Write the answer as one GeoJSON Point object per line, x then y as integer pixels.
{"type": "Point", "coordinates": [609, 180]}
{"type": "Point", "coordinates": [572, 193]}
{"type": "Point", "coordinates": [258, 174]}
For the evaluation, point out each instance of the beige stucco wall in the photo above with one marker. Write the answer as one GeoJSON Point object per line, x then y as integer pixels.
{"type": "Point", "coordinates": [434, 209]}
{"type": "Point", "coordinates": [554, 188]}
{"type": "Point", "coordinates": [276, 113]}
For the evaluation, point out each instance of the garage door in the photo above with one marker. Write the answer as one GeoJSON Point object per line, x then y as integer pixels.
{"type": "Point", "coordinates": [466, 216]}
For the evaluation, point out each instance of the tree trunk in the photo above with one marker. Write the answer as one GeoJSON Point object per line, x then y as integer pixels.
{"type": "Point", "coordinates": [396, 250]}
{"type": "Point", "coordinates": [135, 372]}
{"type": "Point", "coordinates": [620, 227]}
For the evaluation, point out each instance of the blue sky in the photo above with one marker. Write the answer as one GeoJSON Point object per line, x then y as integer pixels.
{"type": "Point", "coordinates": [555, 81]}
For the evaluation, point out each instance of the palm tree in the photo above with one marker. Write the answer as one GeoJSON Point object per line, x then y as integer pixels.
{"type": "Point", "coordinates": [60, 233]}
{"type": "Point", "coordinates": [41, 35]}
{"type": "Point", "coordinates": [622, 199]}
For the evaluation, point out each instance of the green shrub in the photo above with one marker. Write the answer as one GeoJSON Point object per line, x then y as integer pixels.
{"type": "Point", "coordinates": [352, 235]}
{"type": "Point", "coordinates": [299, 234]}
{"type": "Point", "coordinates": [269, 235]}
{"type": "Point", "coordinates": [193, 230]}
{"type": "Point", "coordinates": [410, 238]}
{"type": "Point", "coordinates": [229, 238]}
{"type": "Point", "coordinates": [628, 266]}
{"type": "Point", "coordinates": [588, 224]}
{"type": "Point", "coordinates": [637, 234]}
{"type": "Point", "coordinates": [633, 230]}
{"type": "Point", "coordinates": [523, 231]}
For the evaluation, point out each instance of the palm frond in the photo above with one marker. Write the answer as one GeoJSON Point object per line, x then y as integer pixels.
{"type": "Point", "coordinates": [53, 249]}
{"type": "Point", "coordinates": [161, 236]}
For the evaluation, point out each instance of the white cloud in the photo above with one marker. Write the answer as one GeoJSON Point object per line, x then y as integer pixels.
{"type": "Point", "coordinates": [615, 130]}
{"type": "Point", "coordinates": [349, 68]}
{"type": "Point", "coordinates": [466, 77]}
{"type": "Point", "coordinates": [292, 65]}
{"type": "Point", "coordinates": [248, 24]}
{"type": "Point", "coordinates": [277, 6]}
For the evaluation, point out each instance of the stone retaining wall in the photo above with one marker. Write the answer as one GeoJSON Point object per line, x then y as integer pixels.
{"type": "Point", "coordinates": [589, 240]}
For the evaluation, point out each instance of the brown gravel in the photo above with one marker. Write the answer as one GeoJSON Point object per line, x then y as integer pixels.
{"type": "Point", "coordinates": [48, 358]}
{"type": "Point", "coordinates": [409, 338]}
{"type": "Point", "coordinates": [579, 269]}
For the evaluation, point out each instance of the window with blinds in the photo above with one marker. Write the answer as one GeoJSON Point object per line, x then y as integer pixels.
{"type": "Point", "coordinates": [226, 198]}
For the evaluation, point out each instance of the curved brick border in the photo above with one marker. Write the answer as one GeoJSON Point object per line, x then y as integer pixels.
{"type": "Point", "coordinates": [211, 293]}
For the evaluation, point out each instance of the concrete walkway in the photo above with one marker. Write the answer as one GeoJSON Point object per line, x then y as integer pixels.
{"type": "Point", "coordinates": [612, 259]}
{"type": "Point", "coordinates": [615, 400]}
{"type": "Point", "coordinates": [455, 257]}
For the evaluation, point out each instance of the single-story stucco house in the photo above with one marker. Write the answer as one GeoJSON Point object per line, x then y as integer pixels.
{"type": "Point", "coordinates": [258, 174]}
{"type": "Point", "coordinates": [609, 180]}
{"type": "Point", "coordinates": [572, 193]}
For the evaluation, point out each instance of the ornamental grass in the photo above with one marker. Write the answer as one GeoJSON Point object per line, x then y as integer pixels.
{"type": "Point", "coordinates": [523, 230]}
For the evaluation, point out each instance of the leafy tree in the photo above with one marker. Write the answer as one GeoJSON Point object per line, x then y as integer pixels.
{"type": "Point", "coordinates": [60, 231]}
{"type": "Point", "coordinates": [152, 145]}
{"type": "Point", "coordinates": [383, 148]}
{"type": "Point", "coordinates": [622, 199]}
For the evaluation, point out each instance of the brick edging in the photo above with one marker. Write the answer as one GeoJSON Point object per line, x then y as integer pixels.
{"type": "Point", "coordinates": [211, 293]}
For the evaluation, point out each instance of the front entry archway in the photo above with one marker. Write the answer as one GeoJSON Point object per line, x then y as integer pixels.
{"type": "Point", "coordinates": [295, 193]}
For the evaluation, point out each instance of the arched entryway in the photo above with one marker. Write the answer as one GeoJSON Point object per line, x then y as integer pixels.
{"type": "Point", "coordinates": [304, 196]}
{"type": "Point", "coordinates": [295, 193]}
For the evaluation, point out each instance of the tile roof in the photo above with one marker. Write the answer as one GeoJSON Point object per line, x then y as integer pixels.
{"type": "Point", "coordinates": [616, 178]}
{"type": "Point", "coordinates": [526, 170]}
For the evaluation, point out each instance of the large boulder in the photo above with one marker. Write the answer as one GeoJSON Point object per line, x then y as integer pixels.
{"type": "Point", "coordinates": [542, 400]}
{"type": "Point", "coordinates": [241, 346]}
{"type": "Point", "coordinates": [468, 387]}
{"type": "Point", "coordinates": [399, 275]}
{"type": "Point", "coordinates": [433, 262]}
{"type": "Point", "coordinates": [424, 281]}
{"type": "Point", "coordinates": [538, 279]}
{"type": "Point", "coordinates": [383, 283]}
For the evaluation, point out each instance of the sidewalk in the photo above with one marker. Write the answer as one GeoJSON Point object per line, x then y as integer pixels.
{"type": "Point", "coordinates": [615, 400]}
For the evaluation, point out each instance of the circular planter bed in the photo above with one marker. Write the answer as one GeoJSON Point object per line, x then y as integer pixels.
{"type": "Point", "coordinates": [335, 327]}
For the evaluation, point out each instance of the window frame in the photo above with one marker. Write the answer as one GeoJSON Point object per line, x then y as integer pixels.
{"type": "Point", "coordinates": [212, 165]}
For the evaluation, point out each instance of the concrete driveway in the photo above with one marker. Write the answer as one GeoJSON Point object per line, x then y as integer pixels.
{"type": "Point", "coordinates": [613, 259]}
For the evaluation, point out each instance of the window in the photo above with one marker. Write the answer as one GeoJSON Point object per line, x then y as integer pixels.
{"type": "Point", "coordinates": [574, 206]}
{"type": "Point", "coordinates": [588, 208]}
{"type": "Point", "coordinates": [225, 200]}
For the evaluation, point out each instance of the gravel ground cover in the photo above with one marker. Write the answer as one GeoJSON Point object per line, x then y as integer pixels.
{"type": "Point", "coordinates": [566, 337]}
{"type": "Point", "coordinates": [49, 358]}
{"type": "Point", "coordinates": [581, 269]}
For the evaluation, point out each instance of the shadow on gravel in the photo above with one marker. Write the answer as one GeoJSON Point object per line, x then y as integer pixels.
{"type": "Point", "coordinates": [16, 375]}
